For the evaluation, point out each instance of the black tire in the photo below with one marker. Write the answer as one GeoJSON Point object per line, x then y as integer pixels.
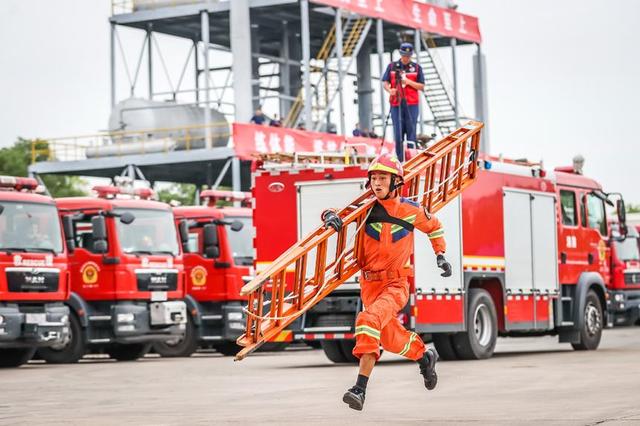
{"type": "Point", "coordinates": [333, 350]}
{"type": "Point", "coordinates": [479, 341]}
{"type": "Point", "coordinates": [227, 348]}
{"type": "Point", "coordinates": [15, 357]}
{"type": "Point", "coordinates": [129, 352]}
{"type": "Point", "coordinates": [181, 347]}
{"type": "Point", "coordinates": [68, 353]}
{"type": "Point", "coordinates": [591, 331]}
{"type": "Point", "coordinates": [347, 349]}
{"type": "Point", "coordinates": [444, 346]}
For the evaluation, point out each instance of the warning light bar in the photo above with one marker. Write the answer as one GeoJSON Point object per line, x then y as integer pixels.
{"type": "Point", "coordinates": [11, 183]}
{"type": "Point", "coordinates": [111, 192]}
{"type": "Point", "coordinates": [212, 196]}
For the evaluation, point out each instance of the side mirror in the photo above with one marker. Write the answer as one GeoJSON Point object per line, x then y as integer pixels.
{"type": "Point", "coordinates": [67, 227]}
{"type": "Point", "coordinates": [127, 218]}
{"type": "Point", "coordinates": [622, 212]}
{"type": "Point", "coordinates": [236, 225]}
{"type": "Point", "coordinates": [183, 229]}
{"type": "Point", "coordinates": [99, 231]}
{"type": "Point", "coordinates": [210, 241]}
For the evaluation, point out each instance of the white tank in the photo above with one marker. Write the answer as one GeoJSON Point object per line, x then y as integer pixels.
{"type": "Point", "coordinates": [143, 126]}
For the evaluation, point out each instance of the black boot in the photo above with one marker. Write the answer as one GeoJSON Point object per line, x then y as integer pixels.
{"type": "Point", "coordinates": [428, 368]}
{"type": "Point", "coordinates": [354, 397]}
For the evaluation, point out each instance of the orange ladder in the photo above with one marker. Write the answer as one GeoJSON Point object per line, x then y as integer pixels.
{"type": "Point", "coordinates": [433, 177]}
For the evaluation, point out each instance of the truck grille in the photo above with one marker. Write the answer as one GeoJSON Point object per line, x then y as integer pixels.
{"type": "Point", "coordinates": [157, 280]}
{"type": "Point", "coordinates": [33, 280]}
{"type": "Point", "coordinates": [632, 278]}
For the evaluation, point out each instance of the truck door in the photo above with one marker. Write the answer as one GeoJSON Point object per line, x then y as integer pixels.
{"type": "Point", "coordinates": [91, 277]}
{"type": "Point", "coordinates": [530, 259]}
{"type": "Point", "coordinates": [316, 196]}
{"type": "Point", "coordinates": [597, 235]}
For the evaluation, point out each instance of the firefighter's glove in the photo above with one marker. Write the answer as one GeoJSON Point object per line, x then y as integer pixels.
{"type": "Point", "coordinates": [444, 265]}
{"type": "Point", "coordinates": [330, 219]}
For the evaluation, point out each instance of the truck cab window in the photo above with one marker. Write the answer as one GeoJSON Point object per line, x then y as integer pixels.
{"type": "Point", "coordinates": [568, 208]}
{"type": "Point", "coordinates": [596, 214]}
{"type": "Point", "coordinates": [84, 234]}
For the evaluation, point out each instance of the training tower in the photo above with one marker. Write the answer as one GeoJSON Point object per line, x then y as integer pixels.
{"type": "Point", "coordinates": [297, 59]}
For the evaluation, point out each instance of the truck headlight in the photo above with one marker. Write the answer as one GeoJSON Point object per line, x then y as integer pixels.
{"type": "Point", "coordinates": [1, 319]}
{"type": "Point", "coordinates": [619, 297]}
{"type": "Point", "coordinates": [129, 317]}
{"type": "Point", "coordinates": [235, 316]}
{"type": "Point", "coordinates": [65, 319]}
{"type": "Point", "coordinates": [129, 327]}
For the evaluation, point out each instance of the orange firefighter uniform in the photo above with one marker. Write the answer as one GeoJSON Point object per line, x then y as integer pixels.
{"type": "Point", "coordinates": [388, 244]}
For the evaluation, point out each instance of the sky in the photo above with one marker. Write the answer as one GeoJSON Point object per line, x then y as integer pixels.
{"type": "Point", "coordinates": [562, 77]}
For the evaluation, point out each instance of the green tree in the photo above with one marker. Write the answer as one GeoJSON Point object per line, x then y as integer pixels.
{"type": "Point", "coordinates": [184, 193]}
{"type": "Point", "coordinates": [633, 208]}
{"type": "Point", "coordinates": [15, 160]}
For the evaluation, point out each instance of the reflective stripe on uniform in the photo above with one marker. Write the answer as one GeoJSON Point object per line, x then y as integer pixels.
{"type": "Point", "coordinates": [409, 219]}
{"type": "Point", "coordinates": [369, 331]}
{"type": "Point", "coordinates": [408, 345]}
{"type": "Point", "coordinates": [436, 234]}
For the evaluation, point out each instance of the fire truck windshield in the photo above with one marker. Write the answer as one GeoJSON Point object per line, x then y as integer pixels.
{"type": "Point", "coordinates": [30, 227]}
{"type": "Point", "coordinates": [241, 241]}
{"type": "Point", "coordinates": [152, 232]}
{"type": "Point", "coordinates": [628, 249]}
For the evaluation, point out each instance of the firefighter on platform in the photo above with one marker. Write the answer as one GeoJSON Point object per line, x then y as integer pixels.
{"type": "Point", "coordinates": [403, 80]}
{"type": "Point", "coordinates": [384, 260]}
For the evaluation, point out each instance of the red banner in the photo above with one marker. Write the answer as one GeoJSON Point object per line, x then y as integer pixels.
{"type": "Point", "coordinates": [414, 14]}
{"type": "Point", "coordinates": [249, 139]}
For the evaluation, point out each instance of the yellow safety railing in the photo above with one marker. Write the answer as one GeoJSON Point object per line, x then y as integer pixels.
{"type": "Point", "coordinates": [131, 142]}
{"type": "Point", "coordinates": [128, 6]}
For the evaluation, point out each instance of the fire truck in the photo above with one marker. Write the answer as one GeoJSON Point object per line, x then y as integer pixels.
{"type": "Point", "coordinates": [530, 251]}
{"type": "Point", "coordinates": [127, 283]}
{"type": "Point", "coordinates": [624, 288]}
{"type": "Point", "coordinates": [35, 280]}
{"type": "Point", "coordinates": [219, 255]}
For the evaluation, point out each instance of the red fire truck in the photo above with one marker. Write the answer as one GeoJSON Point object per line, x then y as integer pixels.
{"type": "Point", "coordinates": [219, 255]}
{"type": "Point", "coordinates": [530, 251]}
{"type": "Point", "coordinates": [624, 289]}
{"type": "Point", "coordinates": [126, 275]}
{"type": "Point", "coordinates": [34, 282]}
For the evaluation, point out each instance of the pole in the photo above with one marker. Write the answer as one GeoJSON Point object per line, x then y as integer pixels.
{"type": "Point", "coordinates": [418, 47]}
{"type": "Point", "coordinates": [113, 64]}
{"type": "Point", "coordinates": [380, 48]}
{"type": "Point", "coordinates": [340, 72]}
{"type": "Point", "coordinates": [306, 61]}
{"type": "Point", "coordinates": [481, 104]}
{"type": "Point", "coordinates": [196, 69]}
{"type": "Point", "coordinates": [455, 80]}
{"type": "Point", "coordinates": [150, 58]}
{"type": "Point", "coordinates": [204, 16]}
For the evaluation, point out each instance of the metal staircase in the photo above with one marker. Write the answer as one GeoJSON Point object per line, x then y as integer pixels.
{"type": "Point", "coordinates": [325, 71]}
{"type": "Point", "coordinates": [436, 94]}
{"type": "Point", "coordinates": [306, 273]}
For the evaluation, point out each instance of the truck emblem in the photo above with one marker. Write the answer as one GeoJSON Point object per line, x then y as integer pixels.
{"type": "Point", "coordinates": [198, 276]}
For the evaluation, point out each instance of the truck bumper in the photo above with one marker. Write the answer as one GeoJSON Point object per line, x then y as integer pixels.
{"type": "Point", "coordinates": [624, 306]}
{"type": "Point", "coordinates": [155, 321]}
{"type": "Point", "coordinates": [22, 326]}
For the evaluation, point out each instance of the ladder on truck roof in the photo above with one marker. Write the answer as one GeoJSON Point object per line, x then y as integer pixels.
{"type": "Point", "coordinates": [433, 177]}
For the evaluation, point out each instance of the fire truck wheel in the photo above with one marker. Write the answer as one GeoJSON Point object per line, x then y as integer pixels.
{"type": "Point", "coordinates": [333, 350]}
{"type": "Point", "coordinates": [479, 341]}
{"type": "Point", "coordinates": [347, 349]}
{"type": "Point", "coordinates": [591, 331]}
{"type": "Point", "coordinates": [68, 352]}
{"type": "Point", "coordinates": [15, 357]}
{"type": "Point", "coordinates": [227, 348]}
{"type": "Point", "coordinates": [128, 352]}
{"type": "Point", "coordinates": [444, 346]}
{"type": "Point", "coordinates": [182, 347]}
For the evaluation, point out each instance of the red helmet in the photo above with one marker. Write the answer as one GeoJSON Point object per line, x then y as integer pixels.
{"type": "Point", "coordinates": [386, 163]}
